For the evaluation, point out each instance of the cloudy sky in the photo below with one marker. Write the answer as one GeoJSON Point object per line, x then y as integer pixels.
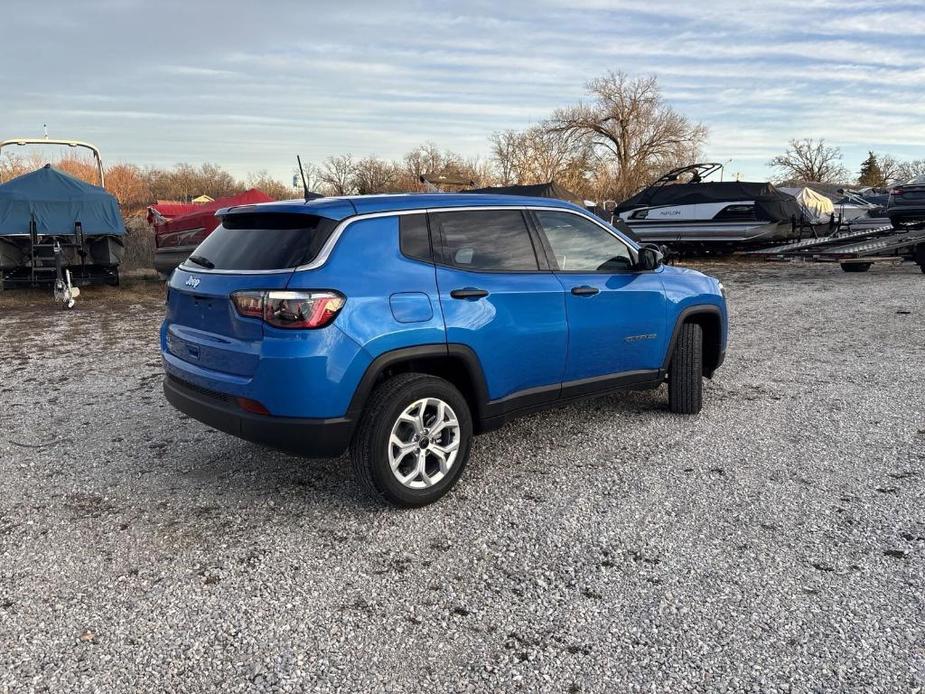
{"type": "Point", "coordinates": [249, 84]}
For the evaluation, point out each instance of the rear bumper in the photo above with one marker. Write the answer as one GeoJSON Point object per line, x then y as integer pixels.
{"type": "Point", "coordinates": [313, 438]}
{"type": "Point", "coordinates": [911, 214]}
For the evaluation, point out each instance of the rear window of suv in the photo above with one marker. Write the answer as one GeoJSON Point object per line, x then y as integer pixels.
{"type": "Point", "coordinates": [264, 242]}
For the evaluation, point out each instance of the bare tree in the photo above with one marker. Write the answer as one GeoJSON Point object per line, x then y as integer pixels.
{"type": "Point", "coordinates": [628, 123]}
{"type": "Point", "coordinates": [506, 153]}
{"type": "Point", "coordinates": [184, 182]}
{"type": "Point", "coordinates": [426, 159]}
{"type": "Point", "coordinates": [480, 171]}
{"type": "Point", "coordinates": [374, 175]}
{"type": "Point", "coordinates": [337, 174]}
{"type": "Point", "coordinates": [898, 171]}
{"type": "Point", "coordinates": [539, 154]}
{"type": "Point", "coordinates": [312, 177]}
{"type": "Point", "coordinates": [262, 180]}
{"type": "Point", "coordinates": [811, 161]}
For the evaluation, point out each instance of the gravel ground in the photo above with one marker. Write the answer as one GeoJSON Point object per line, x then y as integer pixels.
{"type": "Point", "coordinates": [776, 542]}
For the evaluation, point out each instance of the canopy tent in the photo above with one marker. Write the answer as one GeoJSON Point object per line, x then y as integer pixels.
{"type": "Point", "coordinates": [817, 208]}
{"type": "Point", "coordinates": [770, 203]}
{"type": "Point", "coordinates": [538, 190]}
{"type": "Point", "coordinates": [56, 201]}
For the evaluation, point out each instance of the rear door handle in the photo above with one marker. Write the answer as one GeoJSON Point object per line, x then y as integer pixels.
{"type": "Point", "coordinates": [585, 291]}
{"type": "Point", "coordinates": [468, 293]}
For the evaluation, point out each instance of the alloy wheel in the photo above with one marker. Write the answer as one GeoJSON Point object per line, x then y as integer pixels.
{"type": "Point", "coordinates": [424, 443]}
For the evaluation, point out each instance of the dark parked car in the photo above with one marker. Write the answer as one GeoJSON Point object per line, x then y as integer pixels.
{"type": "Point", "coordinates": [906, 204]}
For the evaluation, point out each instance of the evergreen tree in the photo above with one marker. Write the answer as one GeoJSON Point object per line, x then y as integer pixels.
{"type": "Point", "coordinates": [871, 174]}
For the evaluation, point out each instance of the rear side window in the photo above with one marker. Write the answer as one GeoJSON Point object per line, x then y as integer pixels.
{"type": "Point", "coordinates": [493, 240]}
{"type": "Point", "coordinates": [415, 238]}
{"type": "Point", "coordinates": [264, 241]}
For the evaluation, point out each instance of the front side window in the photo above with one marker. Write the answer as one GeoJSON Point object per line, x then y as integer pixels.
{"type": "Point", "coordinates": [580, 245]}
{"type": "Point", "coordinates": [490, 240]}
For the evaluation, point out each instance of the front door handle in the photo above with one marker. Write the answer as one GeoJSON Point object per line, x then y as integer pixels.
{"type": "Point", "coordinates": [585, 291]}
{"type": "Point", "coordinates": [468, 293]}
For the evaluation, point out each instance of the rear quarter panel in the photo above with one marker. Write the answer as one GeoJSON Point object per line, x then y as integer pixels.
{"type": "Point", "coordinates": [392, 301]}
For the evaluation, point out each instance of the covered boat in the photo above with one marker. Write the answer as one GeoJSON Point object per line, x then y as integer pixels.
{"type": "Point", "coordinates": [699, 213]}
{"type": "Point", "coordinates": [180, 227]}
{"type": "Point", "coordinates": [48, 207]}
{"type": "Point", "coordinates": [815, 207]}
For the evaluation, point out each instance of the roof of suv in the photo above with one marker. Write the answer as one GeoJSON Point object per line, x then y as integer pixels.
{"type": "Point", "coordinates": [338, 208]}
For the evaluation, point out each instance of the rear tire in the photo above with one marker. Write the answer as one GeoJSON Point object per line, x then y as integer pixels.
{"type": "Point", "coordinates": [386, 421]}
{"type": "Point", "coordinates": [685, 375]}
{"type": "Point", "coordinates": [855, 267]}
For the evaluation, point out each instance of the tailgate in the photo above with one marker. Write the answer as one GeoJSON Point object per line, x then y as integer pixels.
{"type": "Point", "coordinates": [203, 327]}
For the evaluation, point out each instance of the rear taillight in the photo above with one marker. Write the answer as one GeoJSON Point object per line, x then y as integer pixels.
{"type": "Point", "coordinates": [249, 304]}
{"type": "Point", "coordinates": [295, 310]}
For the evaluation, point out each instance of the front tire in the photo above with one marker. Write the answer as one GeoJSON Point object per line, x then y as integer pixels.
{"type": "Point", "coordinates": [413, 440]}
{"type": "Point", "coordinates": [685, 375]}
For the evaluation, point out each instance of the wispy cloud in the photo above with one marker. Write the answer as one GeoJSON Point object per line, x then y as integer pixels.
{"type": "Point", "coordinates": [249, 85]}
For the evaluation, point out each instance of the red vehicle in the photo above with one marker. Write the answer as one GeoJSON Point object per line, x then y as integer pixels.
{"type": "Point", "coordinates": [180, 227]}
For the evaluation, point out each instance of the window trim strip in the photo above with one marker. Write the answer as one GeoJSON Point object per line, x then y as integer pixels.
{"type": "Point", "coordinates": [328, 247]}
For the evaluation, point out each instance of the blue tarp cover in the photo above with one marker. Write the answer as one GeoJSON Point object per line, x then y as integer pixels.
{"type": "Point", "coordinates": [56, 201]}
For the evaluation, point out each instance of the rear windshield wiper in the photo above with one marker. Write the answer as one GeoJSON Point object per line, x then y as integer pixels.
{"type": "Point", "coordinates": [204, 262]}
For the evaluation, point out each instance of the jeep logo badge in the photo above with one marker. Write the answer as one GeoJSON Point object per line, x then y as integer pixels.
{"type": "Point", "coordinates": [192, 282]}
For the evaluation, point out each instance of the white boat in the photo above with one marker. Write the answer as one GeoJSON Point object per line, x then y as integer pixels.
{"type": "Point", "coordinates": [681, 208]}
{"type": "Point", "coordinates": [856, 212]}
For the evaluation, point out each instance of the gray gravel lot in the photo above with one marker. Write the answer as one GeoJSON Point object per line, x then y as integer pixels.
{"type": "Point", "coordinates": [776, 542]}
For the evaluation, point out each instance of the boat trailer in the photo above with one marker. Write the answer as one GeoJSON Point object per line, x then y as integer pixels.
{"type": "Point", "coordinates": [855, 251]}
{"type": "Point", "coordinates": [57, 230]}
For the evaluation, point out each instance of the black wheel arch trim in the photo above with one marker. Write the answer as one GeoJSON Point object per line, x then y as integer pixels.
{"type": "Point", "coordinates": [687, 313]}
{"type": "Point", "coordinates": [401, 355]}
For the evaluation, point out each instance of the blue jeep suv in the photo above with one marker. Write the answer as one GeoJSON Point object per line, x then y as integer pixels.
{"type": "Point", "coordinates": [399, 326]}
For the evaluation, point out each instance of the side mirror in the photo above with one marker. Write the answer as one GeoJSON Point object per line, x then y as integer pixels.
{"type": "Point", "coordinates": [650, 258]}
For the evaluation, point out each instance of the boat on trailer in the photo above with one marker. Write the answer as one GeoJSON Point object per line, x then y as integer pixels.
{"type": "Point", "coordinates": [180, 227]}
{"type": "Point", "coordinates": [682, 209]}
{"type": "Point", "coordinates": [52, 224]}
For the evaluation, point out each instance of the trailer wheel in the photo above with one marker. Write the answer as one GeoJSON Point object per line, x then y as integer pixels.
{"type": "Point", "coordinates": [855, 267]}
{"type": "Point", "coordinates": [920, 256]}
